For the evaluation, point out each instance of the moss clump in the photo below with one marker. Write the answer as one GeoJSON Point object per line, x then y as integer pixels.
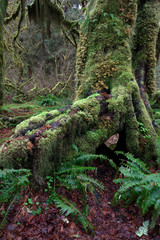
{"type": "Point", "coordinates": [34, 122]}
{"type": "Point", "coordinates": [89, 105]}
{"type": "Point", "coordinates": [16, 153]}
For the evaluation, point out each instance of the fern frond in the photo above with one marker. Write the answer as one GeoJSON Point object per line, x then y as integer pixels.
{"type": "Point", "coordinates": [75, 148]}
{"type": "Point", "coordinates": [130, 172]}
{"type": "Point", "coordinates": [4, 220]}
{"type": "Point", "coordinates": [113, 165]}
{"type": "Point", "coordinates": [90, 181]}
{"type": "Point", "coordinates": [155, 215]}
{"type": "Point", "coordinates": [152, 178]}
{"type": "Point", "coordinates": [12, 182]}
{"type": "Point", "coordinates": [138, 183]}
{"type": "Point", "coordinates": [136, 162]}
{"type": "Point", "coordinates": [87, 158]}
{"type": "Point", "coordinates": [75, 169]}
{"type": "Point", "coordinates": [68, 208]}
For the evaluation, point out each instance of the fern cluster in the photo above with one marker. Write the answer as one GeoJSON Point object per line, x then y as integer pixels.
{"type": "Point", "coordinates": [12, 182]}
{"type": "Point", "coordinates": [140, 185]}
{"type": "Point", "coordinates": [73, 176]}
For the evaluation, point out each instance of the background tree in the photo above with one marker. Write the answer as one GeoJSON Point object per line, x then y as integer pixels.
{"type": "Point", "coordinates": [112, 89]}
{"type": "Point", "coordinates": [3, 6]}
{"type": "Point", "coordinates": [40, 60]}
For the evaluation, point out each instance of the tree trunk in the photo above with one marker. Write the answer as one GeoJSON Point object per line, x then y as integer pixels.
{"type": "Point", "coordinates": [3, 6]}
{"type": "Point", "coordinates": [1, 64]}
{"type": "Point", "coordinates": [107, 100]}
{"type": "Point", "coordinates": [104, 65]}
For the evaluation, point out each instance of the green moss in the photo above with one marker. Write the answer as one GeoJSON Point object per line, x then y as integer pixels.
{"type": "Point", "coordinates": [30, 133]}
{"type": "Point", "coordinates": [88, 105]}
{"type": "Point", "coordinates": [117, 102]}
{"type": "Point", "coordinates": [144, 44]}
{"type": "Point", "coordinates": [147, 145]}
{"type": "Point", "coordinates": [1, 64]}
{"type": "Point", "coordinates": [15, 154]}
{"type": "Point", "coordinates": [53, 143]}
{"type": "Point", "coordinates": [104, 53]}
{"type": "Point", "coordinates": [34, 122]}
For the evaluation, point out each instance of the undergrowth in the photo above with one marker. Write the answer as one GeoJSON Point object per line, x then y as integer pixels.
{"type": "Point", "coordinates": [72, 175]}
{"type": "Point", "coordinates": [12, 182]}
{"type": "Point", "coordinates": [51, 100]}
{"type": "Point", "coordinates": [139, 185]}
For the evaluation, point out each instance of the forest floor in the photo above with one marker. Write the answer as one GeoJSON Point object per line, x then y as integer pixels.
{"type": "Point", "coordinates": [40, 221]}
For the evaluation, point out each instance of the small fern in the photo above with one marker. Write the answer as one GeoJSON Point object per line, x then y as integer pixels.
{"type": "Point", "coordinates": [12, 182]}
{"type": "Point", "coordinates": [72, 175]}
{"type": "Point", "coordinates": [69, 208]}
{"type": "Point", "coordinates": [140, 185]}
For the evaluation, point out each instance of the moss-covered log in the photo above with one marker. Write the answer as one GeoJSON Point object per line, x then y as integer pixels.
{"type": "Point", "coordinates": [107, 100]}
{"type": "Point", "coordinates": [42, 141]}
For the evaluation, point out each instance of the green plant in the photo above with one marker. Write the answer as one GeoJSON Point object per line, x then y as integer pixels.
{"type": "Point", "coordinates": [12, 182]}
{"type": "Point", "coordinates": [48, 100]}
{"type": "Point", "coordinates": [140, 185]}
{"type": "Point", "coordinates": [143, 130]}
{"type": "Point", "coordinates": [36, 211]}
{"type": "Point", "coordinates": [73, 176]}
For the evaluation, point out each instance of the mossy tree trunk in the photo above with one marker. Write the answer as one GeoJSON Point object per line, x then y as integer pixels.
{"type": "Point", "coordinates": [3, 6]}
{"type": "Point", "coordinates": [108, 99]}
{"type": "Point", "coordinates": [111, 31]}
{"type": "Point", "coordinates": [146, 48]}
{"type": "Point", "coordinates": [1, 64]}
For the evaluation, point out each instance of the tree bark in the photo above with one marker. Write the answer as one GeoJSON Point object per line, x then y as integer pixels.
{"type": "Point", "coordinates": [107, 101]}
{"type": "Point", "coordinates": [1, 64]}
{"type": "Point", "coordinates": [104, 64]}
{"type": "Point", "coordinates": [3, 6]}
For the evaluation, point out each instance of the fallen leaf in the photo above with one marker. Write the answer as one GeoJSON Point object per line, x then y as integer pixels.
{"type": "Point", "coordinates": [29, 146]}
